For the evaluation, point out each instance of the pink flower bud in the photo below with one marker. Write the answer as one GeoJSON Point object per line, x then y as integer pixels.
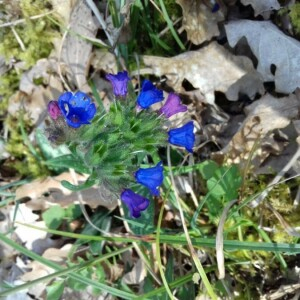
{"type": "Point", "coordinates": [54, 110]}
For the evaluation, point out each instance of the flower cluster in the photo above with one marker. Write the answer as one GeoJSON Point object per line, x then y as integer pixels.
{"type": "Point", "coordinates": [108, 147]}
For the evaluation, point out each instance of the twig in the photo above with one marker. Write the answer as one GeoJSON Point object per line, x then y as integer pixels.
{"type": "Point", "coordinates": [20, 42]}
{"type": "Point", "coordinates": [167, 28]}
{"type": "Point", "coordinates": [20, 21]}
{"type": "Point", "coordinates": [59, 59]}
{"type": "Point", "coordinates": [289, 229]}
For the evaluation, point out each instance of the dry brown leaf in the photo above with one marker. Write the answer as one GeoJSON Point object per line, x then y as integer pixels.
{"type": "Point", "coordinates": [261, 7]}
{"type": "Point", "coordinates": [277, 54]}
{"type": "Point", "coordinates": [63, 9]}
{"type": "Point", "coordinates": [94, 197]}
{"type": "Point", "coordinates": [136, 275]}
{"type": "Point", "coordinates": [113, 272]}
{"type": "Point", "coordinates": [76, 49]}
{"type": "Point", "coordinates": [104, 60]}
{"type": "Point", "coordinates": [35, 240]}
{"type": "Point", "coordinates": [263, 116]}
{"type": "Point", "coordinates": [34, 104]}
{"type": "Point", "coordinates": [199, 22]}
{"type": "Point", "coordinates": [209, 69]}
{"type": "Point", "coordinates": [43, 70]}
{"type": "Point", "coordinates": [35, 190]}
{"type": "Point", "coordinates": [39, 270]}
{"type": "Point", "coordinates": [32, 97]}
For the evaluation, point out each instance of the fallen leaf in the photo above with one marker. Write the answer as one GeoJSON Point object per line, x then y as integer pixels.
{"type": "Point", "coordinates": [76, 49]}
{"type": "Point", "coordinates": [284, 53]}
{"type": "Point", "coordinates": [34, 104]}
{"type": "Point", "coordinates": [35, 240]}
{"type": "Point", "coordinates": [262, 6]}
{"type": "Point", "coordinates": [209, 69]}
{"type": "Point", "coordinates": [199, 22]}
{"type": "Point", "coordinates": [136, 275]}
{"type": "Point", "coordinates": [36, 190]}
{"type": "Point", "coordinates": [263, 117]}
{"type": "Point", "coordinates": [104, 60]}
{"type": "Point", "coordinates": [38, 269]}
{"type": "Point", "coordinates": [32, 96]}
{"type": "Point", "coordinates": [63, 9]}
{"type": "Point", "coordinates": [42, 71]}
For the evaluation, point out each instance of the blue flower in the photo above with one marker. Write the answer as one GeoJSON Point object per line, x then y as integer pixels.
{"type": "Point", "coordinates": [152, 178]}
{"type": "Point", "coordinates": [172, 106]}
{"type": "Point", "coordinates": [119, 83]}
{"type": "Point", "coordinates": [149, 95]}
{"type": "Point", "coordinates": [135, 202]}
{"type": "Point", "coordinates": [215, 8]}
{"type": "Point", "coordinates": [183, 136]}
{"type": "Point", "coordinates": [77, 109]}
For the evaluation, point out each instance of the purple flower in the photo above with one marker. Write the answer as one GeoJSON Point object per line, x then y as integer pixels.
{"type": "Point", "coordinates": [119, 83]}
{"type": "Point", "coordinates": [54, 110]}
{"type": "Point", "coordinates": [77, 109]}
{"type": "Point", "coordinates": [135, 202]}
{"type": "Point", "coordinates": [149, 95]}
{"type": "Point", "coordinates": [172, 106]}
{"type": "Point", "coordinates": [152, 178]}
{"type": "Point", "coordinates": [183, 136]}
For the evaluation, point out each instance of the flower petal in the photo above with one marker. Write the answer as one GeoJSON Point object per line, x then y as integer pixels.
{"type": "Point", "coordinates": [135, 202]}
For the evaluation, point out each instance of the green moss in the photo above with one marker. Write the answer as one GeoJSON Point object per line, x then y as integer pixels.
{"type": "Point", "coordinates": [295, 17]}
{"type": "Point", "coordinates": [8, 84]}
{"type": "Point", "coordinates": [36, 36]}
{"type": "Point", "coordinates": [23, 160]}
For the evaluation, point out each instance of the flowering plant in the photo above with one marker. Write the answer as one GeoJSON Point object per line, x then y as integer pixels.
{"type": "Point", "coordinates": [110, 145]}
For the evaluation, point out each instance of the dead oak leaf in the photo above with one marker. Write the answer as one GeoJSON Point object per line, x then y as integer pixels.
{"type": "Point", "coordinates": [263, 117]}
{"type": "Point", "coordinates": [39, 270]}
{"type": "Point", "coordinates": [272, 48]}
{"type": "Point", "coordinates": [36, 190]}
{"type": "Point", "coordinates": [262, 6]}
{"type": "Point", "coordinates": [136, 275]}
{"type": "Point", "coordinates": [199, 22]}
{"type": "Point", "coordinates": [209, 69]}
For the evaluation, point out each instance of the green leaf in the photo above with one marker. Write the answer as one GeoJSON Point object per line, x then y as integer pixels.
{"type": "Point", "coordinates": [230, 245]}
{"type": "Point", "coordinates": [75, 188]}
{"type": "Point", "coordinates": [68, 161]}
{"type": "Point", "coordinates": [73, 212]}
{"type": "Point", "coordinates": [225, 183]}
{"type": "Point", "coordinates": [77, 285]}
{"type": "Point", "coordinates": [207, 169]}
{"type": "Point", "coordinates": [55, 290]}
{"type": "Point", "coordinates": [223, 186]}
{"type": "Point", "coordinates": [71, 271]}
{"type": "Point", "coordinates": [46, 147]}
{"type": "Point", "coordinates": [186, 292]}
{"type": "Point", "coordinates": [53, 217]}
